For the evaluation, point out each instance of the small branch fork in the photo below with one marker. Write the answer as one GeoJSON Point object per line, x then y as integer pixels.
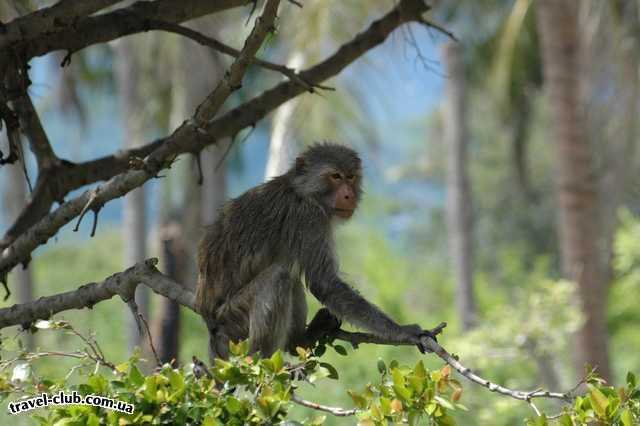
{"type": "Point", "coordinates": [218, 46]}
{"type": "Point", "coordinates": [124, 284]}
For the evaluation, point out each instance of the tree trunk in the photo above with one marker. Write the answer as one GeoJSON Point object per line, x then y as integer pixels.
{"type": "Point", "coordinates": [578, 198]}
{"type": "Point", "coordinates": [134, 227]}
{"type": "Point", "coordinates": [166, 327]}
{"type": "Point", "coordinates": [459, 201]}
{"type": "Point", "coordinates": [281, 146]}
{"type": "Point", "coordinates": [14, 199]}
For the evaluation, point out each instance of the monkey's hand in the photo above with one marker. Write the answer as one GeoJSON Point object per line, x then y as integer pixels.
{"type": "Point", "coordinates": [420, 337]}
{"type": "Point", "coordinates": [322, 324]}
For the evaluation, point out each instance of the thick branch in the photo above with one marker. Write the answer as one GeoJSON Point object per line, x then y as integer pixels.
{"type": "Point", "coordinates": [62, 14]}
{"type": "Point", "coordinates": [190, 138]}
{"type": "Point", "coordinates": [122, 283]}
{"type": "Point", "coordinates": [125, 21]}
{"type": "Point", "coordinates": [30, 123]}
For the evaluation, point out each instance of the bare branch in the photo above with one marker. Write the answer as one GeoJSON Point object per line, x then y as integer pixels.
{"type": "Point", "coordinates": [232, 78]}
{"type": "Point", "coordinates": [336, 411]}
{"type": "Point", "coordinates": [55, 183]}
{"type": "Point", "coordinates": [228, 50]}
{"type": "Point", "coordinates": [358, 338]}
{"type": "Point", "coordinates": [121, 22]}
{"type": "Point", "coordinates": [62, 14]}
{"type": "Point", "coordinates": [122, 283]}
{"type": "Point", "coordinates": [17, 82]}
{"type": "Point", "coordinates": [188, 138]}
{"type": "Point", "coordinates": [430, 24]}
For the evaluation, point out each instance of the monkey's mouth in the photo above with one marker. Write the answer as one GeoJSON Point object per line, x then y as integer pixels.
{"type": "Point", "coordinates": [343, 213]}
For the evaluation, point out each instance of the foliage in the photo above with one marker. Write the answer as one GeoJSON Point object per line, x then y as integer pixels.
{"type": "Point", "coordinates": [249, 390]}
{"type": "Point", "coordinates": [243, 390]}
{"type": "Point", "coordinates": [601, 404]}
{"type": "Point", "coordinates": [412, 395]}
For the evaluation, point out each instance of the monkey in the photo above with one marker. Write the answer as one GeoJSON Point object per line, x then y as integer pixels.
{"type": "Point", "coordinates": [253, 259]}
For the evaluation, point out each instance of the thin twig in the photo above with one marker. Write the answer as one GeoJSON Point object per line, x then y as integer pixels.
{"type": "Point", "coordinates": [358, 338]}
{"type": "Point", "coordinates": [336, 411]}
{"type": "Point", "coordinates": [204, 40]}
{"type": "Point", "coordinates": [430, 24]}
{"type": "Point", "coordinates": [87, 206]}
{"type": "Point", "coordinates": [153, 348]}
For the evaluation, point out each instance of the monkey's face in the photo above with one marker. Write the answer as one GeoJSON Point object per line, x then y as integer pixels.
{"type": "Point", "coordinates": [331, 174]}
{"type": "Point", "coordinates": [343, 199]}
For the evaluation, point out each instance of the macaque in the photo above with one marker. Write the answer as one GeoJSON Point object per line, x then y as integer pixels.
{"type": "Point", "coordinates": [253, 260]}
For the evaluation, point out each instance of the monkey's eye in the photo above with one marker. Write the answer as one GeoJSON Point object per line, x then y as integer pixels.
{"type": "Point", "coordinates": [350, 177]}
{"type": "Point", "coordinates": [336, 176]}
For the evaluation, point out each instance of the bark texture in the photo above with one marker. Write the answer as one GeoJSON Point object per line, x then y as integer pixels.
{"type": "Point", "coordinates": [459, 200]}
{"type": "Point", "coordinates": [577, 188]}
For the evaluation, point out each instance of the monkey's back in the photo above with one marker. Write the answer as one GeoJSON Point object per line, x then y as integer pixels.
{"type": "Point", "coordinates": [267, 224]}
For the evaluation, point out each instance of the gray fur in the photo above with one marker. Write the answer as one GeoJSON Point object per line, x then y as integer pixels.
{"type": "Point", "coordinates": [252, 259]}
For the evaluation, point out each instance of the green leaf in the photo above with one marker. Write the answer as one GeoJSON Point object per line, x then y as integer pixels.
{"type": "Point", "coordinates": [419, 370]}
{"type": "Point", "coordinates": [176, 380]}
{"type": "Point", "coordinates": [340, 349]}
{"type": "Point", "coordinates": [332, 370]}
{"type": "Point", "coordinates": [382, 368]}
{"type": "Point", "coordinates": [136, 377]}
{"type": "Point", "coordinates": [565, 420]}
{"type": "Point", "coordinates": [233, 405]}
{"type": "Point", "coordinates": [320, 350]}
{"type": "Point", "coordinates": [277, 360]}
{"type": "Point", "coordinates": [358, 400]}
{"type": "Point", "coordinates": [150, 388]}
{"type": "Point", "coordinates": [599, 402]}
{"type": "Point", "coordinates": [319, 420]}
{"type": "Point", "coordinates": [320, 373]}
{"type": "Point", "coordinates": [631, 379]}
{"type": "Point", "coordinates": [121, 368]}
{"type": "Point", "coordinates": [626, 418]}
{"type": "Point", "coordinates": [443, 402]}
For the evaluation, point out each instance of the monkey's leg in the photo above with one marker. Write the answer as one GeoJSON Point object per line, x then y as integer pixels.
{"type": "Point", "coordinates": [298, 322]}
{"type": "Point", "coordinates": [272, 311]}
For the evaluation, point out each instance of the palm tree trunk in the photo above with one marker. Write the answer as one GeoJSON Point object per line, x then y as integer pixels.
{"type": "Point", "coordinates": [459, 200]}
{"type": "Point", "coordinates": [577, 189]}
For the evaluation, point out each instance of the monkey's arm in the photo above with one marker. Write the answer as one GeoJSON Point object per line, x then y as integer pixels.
{"type": "Point", "coordinates": [347, 304]}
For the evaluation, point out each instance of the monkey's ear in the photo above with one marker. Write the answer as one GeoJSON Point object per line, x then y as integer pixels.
{"type": "Point", "coordinates": [300, 165]}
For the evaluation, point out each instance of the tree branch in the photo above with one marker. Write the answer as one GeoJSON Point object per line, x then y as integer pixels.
{"type": "Point", "coordinates": [188, 138]}
{"type": "Point", "coordinates": [228, 50]}
{"type": "Point", "coordinates": [62, 14]}
{"type": "Point", "coordinates": [17, 82]}
{"type": "Point", "coordinates": [336, 411]}
{"type": "Point", "coordinates": [121, 283]}
{"type": "Point", "coordinates": [358, 338]}
{"type": "Point", "coordinates": [232, 78]}
{"type": "Point", "coordinates": [121, 22]}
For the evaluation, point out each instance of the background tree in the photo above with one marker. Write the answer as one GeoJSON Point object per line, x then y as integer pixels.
{"type": "Point", "coordinates": [459, 201]}
{"type": "Point", "coordinates": [577, 188]}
